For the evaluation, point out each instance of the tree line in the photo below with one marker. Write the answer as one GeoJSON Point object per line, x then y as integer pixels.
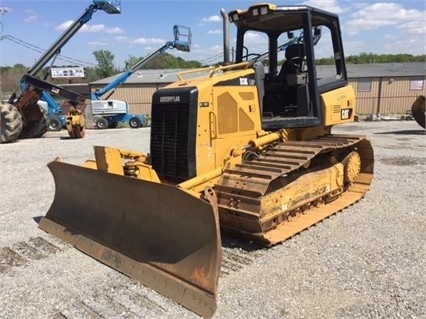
{"type": "Point", "coordinates": [367, 58]}
{"type": "Point", "coordinates": [105, 67]}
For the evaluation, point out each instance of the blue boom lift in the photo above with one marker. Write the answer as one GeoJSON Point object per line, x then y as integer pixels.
{"type": "Point", "coordinates": [112, 112]}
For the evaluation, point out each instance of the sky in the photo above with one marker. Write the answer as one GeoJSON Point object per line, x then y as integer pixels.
{"type": "Point", "coordinates": [28, 27]}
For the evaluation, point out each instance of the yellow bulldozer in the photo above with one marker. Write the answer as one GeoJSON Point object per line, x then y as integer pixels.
{"type": "Point", "coordinates": [243, 148]}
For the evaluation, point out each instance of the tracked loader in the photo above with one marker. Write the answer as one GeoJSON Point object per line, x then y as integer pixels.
{"type": "Point", "coordinates": [244, 148]}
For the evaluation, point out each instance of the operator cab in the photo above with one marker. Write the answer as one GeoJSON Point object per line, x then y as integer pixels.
{"type": "Point", "coordinates": [288, 79]}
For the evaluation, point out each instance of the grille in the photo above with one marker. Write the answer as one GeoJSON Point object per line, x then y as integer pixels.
{"type": "Point", "coordinates": [173, 137]}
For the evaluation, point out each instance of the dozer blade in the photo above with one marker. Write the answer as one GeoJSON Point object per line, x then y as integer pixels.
{"type": "Point", "coordinates": [154, 233]}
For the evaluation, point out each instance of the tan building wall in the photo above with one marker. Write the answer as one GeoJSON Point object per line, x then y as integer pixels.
{"type": "Point", "coordinates": [388, 95]}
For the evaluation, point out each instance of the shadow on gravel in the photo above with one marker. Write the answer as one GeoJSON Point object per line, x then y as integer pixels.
{"type": "Point", "coordinates": [37, 219]}
{"type": "Point", "coordinates": [232, 242]}
{"type": "Point", "coordinates": [404, 132]}
{"type": "Point", "coordinates": [67, 138]}
{"type": "Point", "coordinates": [402, 161]}
{"type": "Point", "coordinates": [51, 137]}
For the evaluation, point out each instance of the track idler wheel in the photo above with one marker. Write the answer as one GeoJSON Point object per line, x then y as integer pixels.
{"type": "Point", "coordinates": [352, 164]}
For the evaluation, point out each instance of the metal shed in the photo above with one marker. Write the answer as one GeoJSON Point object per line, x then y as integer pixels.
{"type": "Point", "coordinates": [381, 88]}
{"type": "Point", "coordinates": [389, 88]}
{"type": "Point", "coordinates": [139, 88]}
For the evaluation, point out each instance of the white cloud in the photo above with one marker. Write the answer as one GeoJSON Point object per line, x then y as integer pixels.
{"type": "Point", "coordinates": [148, 41]}
{"type": "Point", "coordinates": [327, 5]}
{"type": "Point", "coordinates": [212, 19]}
{"type": "Point", "coordinates": [31, 18]}
{"type": "Point", "coordinates": [4, 10]}
{"type": "Point", "coordinates": [31, 15]}
{"type": "Point", "coordinates": [216, 48]}
{"type": "Point", "coordinates": [254, 38]}
{"type": "Point", "coordinates": [217, 31]}
{"type": "Point", "coordinates": [414, 27]}
{"type": "Point", "coordinates": [390, 36]}
{"type": "Point", "coordinates": [63, 26]}
{"type": "Point", "coordinates": [121, 38]}
{"type": "Point", "coordinates": [98, 43]}
{"type": "Point", "coordinates": [96, 28]}
{"type": "Point", "coordinates": [115, 30]}
{"type": "Point", "coordinates": [374, 16]}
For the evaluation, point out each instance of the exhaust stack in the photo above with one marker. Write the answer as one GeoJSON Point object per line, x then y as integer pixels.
{"type": "Point", "coordinates": [226, 57]}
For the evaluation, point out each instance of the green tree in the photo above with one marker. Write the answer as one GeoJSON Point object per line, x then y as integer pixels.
{"type": "Point", "coordinates": [131, 61]}
{"type": "Point", "coordinates": [91, 75]}
{"type": "Point", "coordinates": [163, 61]}
{"type": "Point", "coordinates": [10, 78]}
{"type": "Point", "coordinates": [105, 67]}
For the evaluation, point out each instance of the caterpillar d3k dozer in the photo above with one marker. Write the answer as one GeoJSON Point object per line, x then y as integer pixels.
{"type": "Point", "coordinates": [241, 147]}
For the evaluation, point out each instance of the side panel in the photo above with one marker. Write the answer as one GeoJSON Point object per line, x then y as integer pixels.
{"type": "Point", "coordinates": [236, 118]}
{"type": "Point", "coordinates": [338, 106]}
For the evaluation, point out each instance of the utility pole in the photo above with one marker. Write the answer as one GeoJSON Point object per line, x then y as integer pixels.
{"type": "Point", "coordinates": [3, 11]}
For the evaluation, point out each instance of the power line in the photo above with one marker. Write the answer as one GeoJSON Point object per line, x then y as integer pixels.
{"type": "Point", "coordinates": [215, 58]}
{"type": "Point", "coordinates": [41, 50]}
{"type": "Point", "coordinates": [212, 59]}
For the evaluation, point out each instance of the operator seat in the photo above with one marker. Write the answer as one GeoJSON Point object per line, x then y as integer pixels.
{"type": "Point", "coordinates": [287, 95]}
{"type": "Point", "coordinates": [295, 55]}
{"type": "Point", "coordinates": [294, 80]}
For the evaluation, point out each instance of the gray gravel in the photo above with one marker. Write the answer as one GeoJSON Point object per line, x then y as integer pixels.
{"type": "Point", "coordinates": [365, 262]}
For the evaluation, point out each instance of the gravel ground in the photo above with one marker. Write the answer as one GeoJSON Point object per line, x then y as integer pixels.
{"type": "Point", "coordinates": [365, 262]}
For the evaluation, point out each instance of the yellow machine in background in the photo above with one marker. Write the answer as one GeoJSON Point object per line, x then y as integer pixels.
{"type": "Point", "coordinates": [245, 147]}
{"type": "Point", "coordinates": [75, 123]}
